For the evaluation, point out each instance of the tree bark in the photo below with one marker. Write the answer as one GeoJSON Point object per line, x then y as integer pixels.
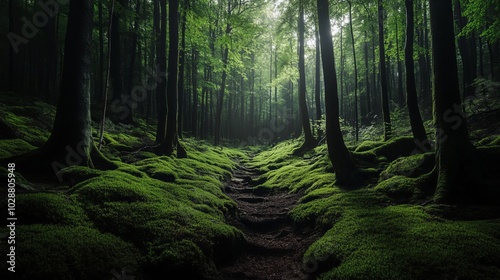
{"type": "Point", "coordinates": [340, 157]}
{"type": "Point", "coordinates": [383, 74]}
{"type": "Point", "coordinates": [417, 127]}
{"type": "Point", "coordinates": [317, 86]}
{"type": "Point", "coordinates": [170, 142]}
{"type": "Point", "coordinates": [454, 151]}
{"type": "Point", "coordinates": [161, 90]}
{"type": "Point", "coordinates": [356, 120]}
{"type": "Point", "coordinates": [309, 141]}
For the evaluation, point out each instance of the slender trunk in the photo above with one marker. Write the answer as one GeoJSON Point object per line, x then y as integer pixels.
{"type": "Point", "coordinates": [339, 155]}
{"type": "Point", "coordinates": [364, 118]}
{"type": "Point", "coordinates": [309, 141]}
{"type": "Point", "coordinates": [356, 121]}
{"type": "Point", "coordinates": [194, 73]}
{"type": "Point", "coordinates": [417, 126]}
{"type": "Point", "coordinates": [167, 147]}
{"type": "Point", "coordinates": [220, 98]}
{"type": "Point", "coordinates": [161, 90]}
{"type": "Point", "coordinates": [383, 75]}
{"type": "Point", "coordinates": [182, 69]}
{"type": "Point", "coordinates": [317, 86]}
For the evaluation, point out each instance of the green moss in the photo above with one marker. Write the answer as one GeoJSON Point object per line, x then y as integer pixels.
{"type": "Point", "coordinates": [31, 118]}
{"type": "Point", "coordinates": [70, 253]}
{"type": "Point", "coordinates": [410, 166]}
{"type": "Point", "coordinates": [12, 147]}
{"type": "Point", "coordinates": [75, 174]}
{"type": "Point", "coordinates": [50, 208]}
{"type": "Point", "coordinates": [399, 187]}
{"type": "Point", "coordinates": [404, 242]}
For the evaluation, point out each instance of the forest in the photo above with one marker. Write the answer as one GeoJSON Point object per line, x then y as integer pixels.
{"type": "Point", "coordinates": [250, 139]}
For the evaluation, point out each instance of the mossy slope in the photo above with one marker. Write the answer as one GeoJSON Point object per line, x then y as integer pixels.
{"type": "Point", "coordinates": [375, 232]}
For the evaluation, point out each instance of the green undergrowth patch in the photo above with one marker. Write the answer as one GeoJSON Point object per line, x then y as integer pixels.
{"type": "Point", "coordinates": [31, 118]}
{"type": "Point", "coordinates": [380, 231]}
{"type": "Point", "coordinates": [405, 242]}
{"type": "Point", "coordinates": [12, 147]}
{"type": "Point", "coordinates": [282, 170]}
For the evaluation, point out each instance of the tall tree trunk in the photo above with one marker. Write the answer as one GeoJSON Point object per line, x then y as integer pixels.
{"type": "Point", "coordinates": [182, 67]}
{"type": "Point", "coordinates": [339, 155]}
{"type": "Point", "coordinates": [417, 127]}
{"type": "Point", "coordinates": [317, 86]}
{"type": "Point", "coordinates": [383, 74]}
{"type": "Point", "coordinates": [170, 142]}
{"type": "Point", "coordinates": [364, 118]}
{"type": "Point", "coordinates": [401, 98]}
{"type": "Point", "coordinates": [309, 141]}
{"type": "Point", "coordinates": [468, 69]}
{"type": "Point", "coordinates": [194, 73]}
{"type": "Point", "coordinates": [161, 90]}
{"type": "Point", "coordinates": [120, 104]}
{"type": "Point", "coordinates": [220, 99]}
{"type": "Point", "coordinates": [454, 150]}
{"type": "Point", "coordinates": [356, 121]}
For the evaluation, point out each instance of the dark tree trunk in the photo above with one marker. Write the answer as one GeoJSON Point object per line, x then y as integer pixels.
{"type": "Point", "coordinates": [339, 155]}
{"type": "Point", "coordinates": [383, 74]}
{"type": "Point", "coordinates": [356, 121]}
{"type": "Point", "coordinates": [170, 142]}
{"type": "Point", "coordinates": [70, 142]}
{"type": "Point", "coordinates": [401, 98]}
{"type": "Point", "coordinates": [182, 67]}
{"type": "Point", "coordinates": [317, 86]}
{"type": "Point", "coordinates": [417, 126]}
{"type": "Point", "coordinates": [309, 141]}
{"type": "Point", "coordinates": [161, 90]}
{"type": "Point", "coordinates": [364, 118]}
{"type": "Point", "coordinates": [468, 66]}
{"type": "Point", "coordinates": [454, 150]}
{"type": "Point", "coordinates": [220, 99]}
{"type": "Point", "coordinates": [194, 73]}
{"type": "Point", "coordinates": [121, 101]}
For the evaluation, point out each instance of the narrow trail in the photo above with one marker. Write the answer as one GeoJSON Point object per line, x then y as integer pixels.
{"type": "Point", "coordinates": [274, 247]}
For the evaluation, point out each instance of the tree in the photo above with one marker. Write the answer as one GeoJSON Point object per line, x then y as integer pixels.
{"type": "Point", "coordinates": [417, 127]}
{"type": "Point", "coordinates": [70, 142]}
{"type": "Point", "coordinates": [119, 94]}
{"type": "Point", "coordinates": [454, 151]}
{"type": "Point", "coordinates": [383, 74]}
{"type": "Point", "coordinates": [341, 159]}
{"type": "Point", "coordinates": [309, 141]}
{"type": "Point", "coordinates": [171, 137]}
{"type": "Point", "coordinates": [161, 49]}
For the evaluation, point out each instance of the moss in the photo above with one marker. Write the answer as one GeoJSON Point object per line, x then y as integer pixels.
{"type": "Point", "coordinates": [70, 253]}
{"type": "Point", "coordinates": [31, 118]}
{"type": "Point", "coordinates": [399, 187]}
{"type": "Point", "coordinates": [404, 242]}
{"type": "Point", "coordinates": [50, 208]}
{"type": "Point", "coordinates": [75, 174]}
{"type": "Point", "coordinates": [12, 147]}
{"type": "Point", "coordinates": [410, 166]}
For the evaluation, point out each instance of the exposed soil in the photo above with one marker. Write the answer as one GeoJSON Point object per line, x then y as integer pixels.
{"type": "Point", "coordinates": [274, 247]}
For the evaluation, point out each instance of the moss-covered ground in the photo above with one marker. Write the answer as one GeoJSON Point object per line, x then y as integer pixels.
{"type": "Point", "coordinates": [152, 216]}
{"type": "Point", "coordinates": [385, 229]}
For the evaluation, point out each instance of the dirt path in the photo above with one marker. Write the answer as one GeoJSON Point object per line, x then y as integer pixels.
{"type": "Point", "coordinates": [274, 249]}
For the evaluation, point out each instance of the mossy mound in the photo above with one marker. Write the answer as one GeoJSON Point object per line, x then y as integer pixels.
{"type": "Point", "coordinates": [31, 118]}
{"type": "Point", "coordinates": [405, 242]}
{"type": "Point", "coordinates": [411, 166]}
{"type": "Point", "coordinates": [285, 171]}
{"type": "Point", "coordinates": [62, 252]}
{"type": "Point", "coordinates": [12, 147]}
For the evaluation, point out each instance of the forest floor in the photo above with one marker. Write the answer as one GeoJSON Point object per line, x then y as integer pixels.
{"type": "Point", "coordinates": [274, 248]}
